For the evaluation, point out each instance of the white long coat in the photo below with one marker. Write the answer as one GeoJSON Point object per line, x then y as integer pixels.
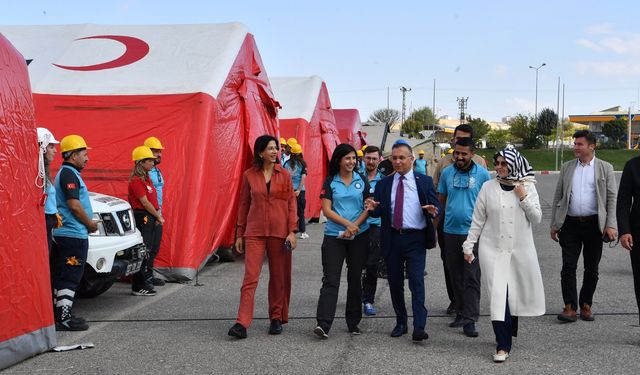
{"type": "Point", "coordinates": [506, 251]}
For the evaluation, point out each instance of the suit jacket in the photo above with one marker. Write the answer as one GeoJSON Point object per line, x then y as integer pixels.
{"type": "Point", "coordinates": [628, 206]}
{"type": "Point", "coordinates": [606, 191]}
{"type": "Point", "coordinates": [426, 194]}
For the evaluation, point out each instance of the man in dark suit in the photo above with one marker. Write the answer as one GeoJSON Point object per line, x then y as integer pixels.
{"type": "Point", "coordinates": [406, 201]}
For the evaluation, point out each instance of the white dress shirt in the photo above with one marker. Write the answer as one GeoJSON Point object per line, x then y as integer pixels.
{"type": "Point", "coordinates": [583, 200]}
{"type": "Point", "coordinates": [412, 215]}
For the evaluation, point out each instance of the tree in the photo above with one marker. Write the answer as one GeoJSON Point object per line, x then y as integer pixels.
{"type": "Point", "coordinates": [546, 122]}
{"type": "Point", "coordinates": [615, 130]}
{"type": "Point", "coordinates": [498, 138]}
{"type": "Point", "coordinates": [412, 128]}
{"type": "Point", "coordinates": [385, 116]}
{"type": "Point", "coordinates": [480, 127]}
{"type": "Point", "coordinates": [424, 116]}
{"type": "Point", "coordinates": [523, 129]}
{"type": "Point", "coordinates": [567, 130]}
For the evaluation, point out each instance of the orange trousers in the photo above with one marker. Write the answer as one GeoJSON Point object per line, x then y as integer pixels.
{"type": "Point", "coordinates": [279, 278]}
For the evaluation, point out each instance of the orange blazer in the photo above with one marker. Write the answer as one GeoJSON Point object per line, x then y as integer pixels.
{"type": "Point", "coordinates": [267, 214]}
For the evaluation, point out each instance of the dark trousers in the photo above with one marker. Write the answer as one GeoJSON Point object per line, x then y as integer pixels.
{"type": "Point", "coordinates": [334, 253]}
{"type": "Point", "coordinates": [635, 266]}
{"type": "Point", "coordinates": [409, 251]}
{"type": "Point", "coordinates": [465, 277]}
{"type": "Point", "coordinates": [301, 202]}
{"type": "Point", "coordinates": [443, 255]}
{"type": "Point", "coordinates": [146, 224]}
{"type": "Point", "coordinates": [51, 220]}
{"type": "Point", "coordinates": [576, 237]}
{"type": "Point", "coordinates": [505, 330]}
{"type": "Point", "coordinates": [370, 274]}
{"type": "Point", "coordinates": [68, 259]}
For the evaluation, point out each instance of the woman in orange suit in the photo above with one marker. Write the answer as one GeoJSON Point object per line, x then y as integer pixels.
{"type": "Point", "coordinates": [267, 222]}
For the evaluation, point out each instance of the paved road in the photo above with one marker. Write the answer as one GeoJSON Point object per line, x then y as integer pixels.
{"type": "Point", "coordinates": [183, 329]}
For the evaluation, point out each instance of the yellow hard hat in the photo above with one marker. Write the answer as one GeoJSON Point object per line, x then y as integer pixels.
{"type": "Point", "coordinates": [292, 141]}
{"type": "Point", "coordinates": [72, 142]}
{"type": "Point", "coordinates": [141, 153]}
{"type": "Point", "coordinates": [359, 153]}
{"type": "Point", "coordinates": [363, 147]}
{"type": "Point", "coordinates": [283, 141]}
{"type": "Point", "coordinates": [296, 149]}
{"type": "Point", "coordinates": [153, 143]}
{"type": "Point", "coordinates": [450, 151]}
{"type": "Point", "coordinates": [421, 152]}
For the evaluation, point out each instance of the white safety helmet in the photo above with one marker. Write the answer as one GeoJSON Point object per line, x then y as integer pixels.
{"type": "Point", "coordinates": [45, 137]}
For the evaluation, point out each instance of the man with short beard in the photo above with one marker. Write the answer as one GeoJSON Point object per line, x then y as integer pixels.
{"type": "Point", "coordinates": [458, 189]}
{"type": "Point", "coordinates": [158, 183]}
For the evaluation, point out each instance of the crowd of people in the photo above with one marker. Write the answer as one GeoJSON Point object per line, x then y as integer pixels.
{"type": "Point", "coordinates": [383, 214]}
{"type": "Point", "coordinates": [69, 218]}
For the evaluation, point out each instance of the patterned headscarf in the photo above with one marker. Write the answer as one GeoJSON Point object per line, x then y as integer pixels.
{"type": "Point", "coordinates": [520, 171]}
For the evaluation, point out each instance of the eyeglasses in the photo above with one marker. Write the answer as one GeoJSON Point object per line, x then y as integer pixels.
{"type": "Point", "coordinates": [500, 164]}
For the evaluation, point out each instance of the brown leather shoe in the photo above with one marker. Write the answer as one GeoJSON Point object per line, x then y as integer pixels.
{"type": "Point", "coordinates": [568, 314]}
{"type": "Point", "coordinates": [585, 313]}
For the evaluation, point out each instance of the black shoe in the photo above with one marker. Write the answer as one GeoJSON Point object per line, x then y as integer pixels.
{"type": "Point", "coordinates": [458, 322]}
{"type": "Point", "coordinates": [71, 325]}
{"type": "Point", "coordinates": [78, 319]}
{"type": "Point", "coordinates": [355, 331]}
{"type": "Point", "coordinates": [451, 309]}
{"type": "Point", "coordinates": [399, 330]}
{"type": "Point", "coordinates": [469, 329]}
{"type": "Point", "coordinates": [157, 282]}
{"type": "Point", "coordinates": [144, 292]}
{"type": "Point", "coordinates": [419, 335]}
{"type": "Point", "coordinates": [238, 331]}
{"type": "Point", "coordinates": [320, 332]}
{"type": "Point", "coordinates": [276, 327]}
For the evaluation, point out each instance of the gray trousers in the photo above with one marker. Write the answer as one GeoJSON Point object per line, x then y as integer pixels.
{"type": "Point", "coordinates": [465, 277]}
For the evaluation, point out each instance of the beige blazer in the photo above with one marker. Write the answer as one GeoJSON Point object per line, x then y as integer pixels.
{"type": "Point", "coordinates": [606, 191]}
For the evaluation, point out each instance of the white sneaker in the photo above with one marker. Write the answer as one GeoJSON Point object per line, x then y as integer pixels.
{"type": "Point", "coordinates": [500, 356]}
{"type": "Point", "coordinates": [304, 235]}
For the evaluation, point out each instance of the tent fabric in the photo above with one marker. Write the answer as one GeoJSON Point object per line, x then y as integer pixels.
{"type": "Point", "coordinates": [306, 114]}
{"type": "Point", "coordinates": [26, 314]}
{"type": "Point", "coordinates": [350, 127]}
{"type": "Point", "coordinates": [201, 89]}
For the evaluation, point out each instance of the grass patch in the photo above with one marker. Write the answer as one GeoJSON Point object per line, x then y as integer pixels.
{"type": "Point", "coordinates": [546, 159]}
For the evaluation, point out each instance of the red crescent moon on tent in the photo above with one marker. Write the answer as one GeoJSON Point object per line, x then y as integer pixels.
{"type": "Point", "coordinates": [135, 50]}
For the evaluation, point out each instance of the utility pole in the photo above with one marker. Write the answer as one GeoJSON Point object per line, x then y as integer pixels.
{"type": "Point", "coordinates": [462, 104]}
{"type": "Point", "coordinates": [629, 129]}
{"type": "Point", "coordinates": [404, 106]}
{"type": "Point", "coordinates": [387, 125]}
{"type": "Point", "coordinates": [433, 109]}
{"type": "Point", "coordinates": [558, 125]}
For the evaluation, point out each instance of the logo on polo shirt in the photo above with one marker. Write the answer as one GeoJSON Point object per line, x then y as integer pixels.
{"type": "Point", "coordinates": [358, 185]}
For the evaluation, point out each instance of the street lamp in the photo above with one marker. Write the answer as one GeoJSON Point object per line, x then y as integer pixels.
{"type": "Point", "coordinates": [533, 67]}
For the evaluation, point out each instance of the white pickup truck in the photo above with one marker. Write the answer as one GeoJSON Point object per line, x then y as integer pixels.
{"type": "Point", "coordinates": [115, 249]}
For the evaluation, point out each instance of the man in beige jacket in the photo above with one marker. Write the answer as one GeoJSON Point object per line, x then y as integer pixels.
{"type": "Point", "coordinates": [583, 216]}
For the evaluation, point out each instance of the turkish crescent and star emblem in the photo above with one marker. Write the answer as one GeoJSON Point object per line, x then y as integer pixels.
{"type": "Point", "coordinates": [135, 50]}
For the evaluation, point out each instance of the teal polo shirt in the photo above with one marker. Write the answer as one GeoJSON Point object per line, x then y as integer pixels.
{"type": "Point", "coordinates": [461, 189]}
{"type": "Point", "coordinates": [346, 200]}
{"type": "Point", "coordinates": [379, 176]}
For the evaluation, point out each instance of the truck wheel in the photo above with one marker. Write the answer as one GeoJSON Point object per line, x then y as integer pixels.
{"type": "Point", "coordinates": [92, 284]}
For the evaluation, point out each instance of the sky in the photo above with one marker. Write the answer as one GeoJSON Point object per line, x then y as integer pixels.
{"type": "Point", "coordinates": [480, 50]}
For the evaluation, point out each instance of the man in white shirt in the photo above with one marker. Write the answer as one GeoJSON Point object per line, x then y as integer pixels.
{"type": "Point", "coordinates": [583, 216]}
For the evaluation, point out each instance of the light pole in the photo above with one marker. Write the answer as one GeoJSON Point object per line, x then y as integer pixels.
{"type": "Point", "coordinates": [538, 68]}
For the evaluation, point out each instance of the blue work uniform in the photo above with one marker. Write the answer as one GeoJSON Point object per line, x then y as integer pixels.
{"type": "Point", "coordinates": [372, 183]}
{"type": "Point", "coordinates": [346, 201]}
{"type": "Point", "coordinates": [158, 183]}
{"type": "Point", "coordinates": [461, 189]}
{"type": "Point", "coordinates": [72, 243]}
{"type": "Point", "coordinates": [421, 166]}
{"type": "Point", "coordinates": [296, 170]}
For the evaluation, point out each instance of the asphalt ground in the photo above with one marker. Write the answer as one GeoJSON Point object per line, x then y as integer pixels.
{"type": "Point", "coordinates": [183, 330]}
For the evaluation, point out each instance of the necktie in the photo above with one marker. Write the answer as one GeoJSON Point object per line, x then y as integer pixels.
{"type": "Point", "coordinates": [397, 211]}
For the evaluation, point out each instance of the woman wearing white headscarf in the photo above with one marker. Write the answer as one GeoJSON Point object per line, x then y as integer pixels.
{"type": "Point", "coordinates": [505, 210]}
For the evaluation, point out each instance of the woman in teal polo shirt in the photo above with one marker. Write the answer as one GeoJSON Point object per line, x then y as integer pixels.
{"type": "Point", "coordinates": [346, 237]}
